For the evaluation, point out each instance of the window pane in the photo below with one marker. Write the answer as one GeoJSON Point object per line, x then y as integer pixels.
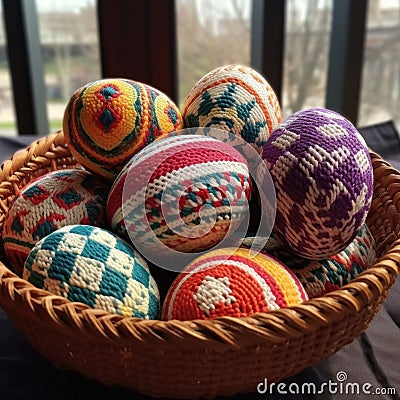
{"type": "Point", "coordinates": [69, 38]}
{"type": "Point", "coordinates": [7, 111]}
{"type": "Point", "coordinates": [210, 34]}
{"type": "Point", "coordinates": [308, 26]}
{"type": "Point", "coordinates": [380, 94]}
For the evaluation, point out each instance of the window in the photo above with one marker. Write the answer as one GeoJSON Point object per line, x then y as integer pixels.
{"type": "Point", "coordinates": [70, 50]}
{"type": "Point", "coordinates": [307, 38]}
{"type": "Point", "coordinates": [380, 93]}
{"type": "Point", "coordinates": [210, 34]}
{"type": "Point", "coordinates": [7, 112]}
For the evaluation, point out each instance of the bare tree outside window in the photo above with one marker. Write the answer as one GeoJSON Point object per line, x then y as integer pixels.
{"type": "Point", "coordinates": [215, 33]}
{"type": "Point", "coordinates": [69, 40]}
{"type": "Point", "coordinates": [308, 26]}
{"type": "Point", "coordinates": [210, 33]}
{"type": "Point", "coordinates": [380, 94]}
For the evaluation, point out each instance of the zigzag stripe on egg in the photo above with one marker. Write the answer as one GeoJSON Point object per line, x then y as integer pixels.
{"type": "Point", "coordinates": [237, 99]}
{"type": "Point", "coordinates": [230, 282]}
{"type": "Point", "coordinates": [106, 122]}
{"type": "Point", "coordinates": [194, 191]}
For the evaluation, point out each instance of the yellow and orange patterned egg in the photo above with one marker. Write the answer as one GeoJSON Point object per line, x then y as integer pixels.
{"type": "Point", "coordinates": [231, 282]}
{"type": "Point", "coordinates": [106, 122]}
{"type": "Point", "coordinates": [237, 99]}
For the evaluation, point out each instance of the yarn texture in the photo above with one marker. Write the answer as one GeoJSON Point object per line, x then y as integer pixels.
{"type": "Point", "coordinates": [323, 177]}
{"type": "Point", "coordinates": [56, 199]}
{"type": "Point", "coordinates": [191, 180]}
{"type": "Point", "coordinates": [235, 98]}
{"type": "Point", "coordinates": [319, 277]}
{"type": "Point", "coordinates": [107, 121]}
{"type": "Point", "coordinates": [93, 266]}
{"type": "Point", "coordinates": [228, 282]}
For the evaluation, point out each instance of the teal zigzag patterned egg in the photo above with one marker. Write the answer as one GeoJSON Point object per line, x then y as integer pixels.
{"type": "Point", "coordinates": [319, 277]}
{"type": "Point", "coordinates": [90, 265]}
{"type": "Point", "coordinates": [57, 199]}
{"type": "Point", "coordinates": [323, 276]}
{"type": "Point", "coordinates": [237, 99]}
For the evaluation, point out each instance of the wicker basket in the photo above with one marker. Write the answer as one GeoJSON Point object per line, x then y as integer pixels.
{"type": "Point", "coordinates": [195, 359]}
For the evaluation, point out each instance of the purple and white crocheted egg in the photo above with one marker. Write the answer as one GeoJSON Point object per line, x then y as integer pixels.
{"type": "Point", "coordinates": [323, 178]}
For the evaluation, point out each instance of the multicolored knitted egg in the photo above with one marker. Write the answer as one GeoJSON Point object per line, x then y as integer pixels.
{"type": "Point", "coordinates": [107, 121]}
{"type": "Point", "coordinates": [57, 199]}
{"type": "Point", "coordinates": [323, 276]}
{"type": "Point", "coordinates": [235, 98]}
{"type": "Point", "coordinates": [93, 266]}
{"type": "Point", "coordinates": [184, 192]}
{"type": "Point", "coordinates": [323, 178]}
{"type": "Point", "coordinates": [229, 282]}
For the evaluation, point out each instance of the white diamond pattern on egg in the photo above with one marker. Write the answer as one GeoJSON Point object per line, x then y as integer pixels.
{"type": "Point", "coordinates": [213, 291]}
{"type": "Point", "coordinates": [283, 142]}
{"type": "Point", "coordinates": [332, 130]}
{"type": "Point", "coordinates": [362, 160]}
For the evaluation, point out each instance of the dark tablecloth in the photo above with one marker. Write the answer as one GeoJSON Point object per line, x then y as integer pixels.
{"type": "Point", "coordinates": [373, 358]}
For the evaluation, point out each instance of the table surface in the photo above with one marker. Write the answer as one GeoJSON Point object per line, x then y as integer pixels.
{"type": "Point", "coordinates": [372, 358]}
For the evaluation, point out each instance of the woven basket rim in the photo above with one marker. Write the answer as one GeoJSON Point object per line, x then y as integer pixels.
{"type": "Point", "coordinates": [275, 326]}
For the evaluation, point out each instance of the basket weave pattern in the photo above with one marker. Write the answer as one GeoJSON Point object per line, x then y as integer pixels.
{"type": "Point", "coordinates": [197, 358]}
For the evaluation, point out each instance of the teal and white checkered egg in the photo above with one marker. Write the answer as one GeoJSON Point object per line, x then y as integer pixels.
{"type": "Point", "coordinates": [93, 266]}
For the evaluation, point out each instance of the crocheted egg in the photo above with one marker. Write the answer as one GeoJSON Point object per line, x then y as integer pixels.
{"type": "Point", "coordinates": [56, 199]}
{"type": "Point", "coordinates": [183, 192]}
{"type": "Point", "coordinates": [93, 266]}
{"type": "Point", "coordinates": [323, 276]}
{"type": "Point", "coordinates": [107, 121]}
{"type": "Point", "coordinates": [234, 98]}
{"type": "Point", "coordinates": [323, 178]}
{"type": "Point", "coordinates": [229, 282]}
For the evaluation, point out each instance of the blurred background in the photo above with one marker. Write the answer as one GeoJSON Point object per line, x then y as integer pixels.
{"type": "Point", "coordinates": [211, 33]}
